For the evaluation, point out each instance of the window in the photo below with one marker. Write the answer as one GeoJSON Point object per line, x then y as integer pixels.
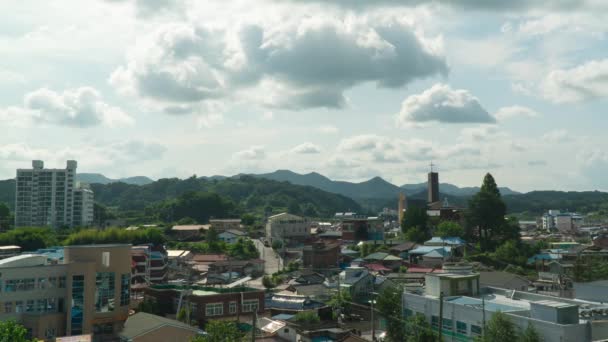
{"type": "Point", "coordinates": [10, 286]}
{"type": "Point", "coordinates": [19, 308]}
{"type": "Point", "coordinates": [51, 305]}
{"type": "Point", "coordinates": [50, 333]}
{"type": "Point", "coordinates": [232, 307]}
{"type": "Point", "coordinates": [104, 291]}
{"type": "Point", "coordinates": [125, 294]}
{"type": "Point", "coordinates": [214, 309]}
{"type": "Point", "coordinates": [42, 283]}
{"type": "Point", "coordinates": [29, 306]}
{"type": "Point", "coordinates": [461, 327]}
{"type": "Point", "coordinates": [250, 305]}
{"type": "Point", "coordinates": [41, 305]}
{"type": "Point", "coordinates": [475, 330]}
{"type": "Point", "coordinates": [105, 259]}
{"type": "Point", "coordinates": [435, 322]}
{"type": "Point", "coordinates": [52, 282]}
{"type": "Point", "coordinates": [77, 310]}
{"type": "Point", "coordinates": [8, 307]}
{"type": "Point", "coordinates": [447, 324]}
{"type": "Point", "coordinates": [61, 284]}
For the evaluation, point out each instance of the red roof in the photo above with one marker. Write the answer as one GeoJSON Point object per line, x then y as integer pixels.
{"type": "Point", "coordinates": [376, 267]}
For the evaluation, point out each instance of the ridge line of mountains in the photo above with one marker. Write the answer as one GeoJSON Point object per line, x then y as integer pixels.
{"type": "Point", "coordinates": [375, 187]}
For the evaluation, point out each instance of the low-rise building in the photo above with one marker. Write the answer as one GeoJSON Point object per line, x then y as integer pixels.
{"type": "Point", "coordinates": [358, 281]}
{"type": "Point", "coordinates": [252, 268]}
{"type": "Point", "coordinates": [9, 251]}
{"type": "Point", "coordinates": [86, 293]}
{"type": "Point", "coordinates": [321, 255]}
{"type": "Point", "coordinates": [179, 256]}
{"type": "Point", "coordinates": [360, 227]}
{"type": "Point", "coordinates": [466, 307]}
{"type": "Point", "coordinates": [286, 227]}
{"type": "Point", "coordinates": [207, 303]}
{"type": "Point", "coordinates": [149, 264]}
{"type": "Point", "coordinates": [189, 231]}
{"type": "Point", "coordinates": [221, 225]}
{"type": "Point", "coordinates": [145, 327]}
{"type": "Point", "coordinates": [232, 235]}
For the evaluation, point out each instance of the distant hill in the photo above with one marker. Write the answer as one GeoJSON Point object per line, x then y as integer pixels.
{"type": "Point", "coordinates": [98, 178]}
{"type": "Point", "coordinates": [373, 188]}
{"type": "Point", "coordinates": [451, 189]}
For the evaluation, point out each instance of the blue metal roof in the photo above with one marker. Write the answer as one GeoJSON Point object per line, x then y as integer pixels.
{"type": "Point", "coordinates": [427, 249]}
{"type": "Point", "coordinates": [544, 256]}
{"type": "Point", "coordinates": [450, 240]}
{"type": "Point", "coordinates": [283, 317]}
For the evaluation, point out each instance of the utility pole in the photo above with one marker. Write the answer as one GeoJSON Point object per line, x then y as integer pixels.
{"type": "Point", "coordinates": [483, 312]}
{"type": "Point", "coordinates": [441, 316]}
{"type": "Point", "coordinates": [373, 301]}
{"type": "Point", "coordinates": [339, 309]}
{"type": "Point", "coordinates": [254, 324]}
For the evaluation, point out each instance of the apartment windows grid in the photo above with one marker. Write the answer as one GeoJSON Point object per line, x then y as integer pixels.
{"type": "Point", "coordinates": [29, 305]}
{"type": "Point", "coordinates": [8, 307]}
{"type": "Point", "coordinates": [125, 294]}
{"type": "Point", "coordinates": [214, 309]}
{"type": "Point", "coordinates": [19, 307]}
{"type": "Point", "coordinates": [77, 311]}
{"type": "Point", "coordinates": [250, 305]}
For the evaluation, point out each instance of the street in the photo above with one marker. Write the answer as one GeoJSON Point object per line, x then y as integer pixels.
{"type": "Point", "coordinates": [269, 256]}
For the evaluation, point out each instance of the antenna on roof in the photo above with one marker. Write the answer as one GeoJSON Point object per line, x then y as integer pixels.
{"type": "Point", "coordinates": [431, 165]}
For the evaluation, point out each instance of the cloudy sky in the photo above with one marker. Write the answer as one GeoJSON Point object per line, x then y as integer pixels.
{"type": "Point", "coordinates": [352, 89]}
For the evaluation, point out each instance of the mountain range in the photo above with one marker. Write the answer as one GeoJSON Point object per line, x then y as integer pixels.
{"type": "Point", "coordinates": [98, 178]}
{"type": "Point", "coordinates": [372, 188]}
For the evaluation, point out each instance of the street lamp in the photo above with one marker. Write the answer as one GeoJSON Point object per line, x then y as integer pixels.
{"type": "Point", "coordinates": [372, 302]}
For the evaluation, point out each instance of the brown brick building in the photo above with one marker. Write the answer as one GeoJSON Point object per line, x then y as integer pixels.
{"type": "Point", "coordinates": [321, 255]}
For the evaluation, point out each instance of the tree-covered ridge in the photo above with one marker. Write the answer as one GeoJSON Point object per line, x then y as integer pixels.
{"type": "Point", "coordinates": [234, 196]}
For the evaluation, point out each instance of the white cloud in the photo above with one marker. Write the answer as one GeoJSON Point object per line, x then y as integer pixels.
{"type": "Point", "coordinates": [441, 103]}
{"type": "Point", "coordinates": [516, 111]}
{"type": "Point", "coordinates": [585, 82]}
{"type": "Point", "coordinates": [79, 107]}
{"type": "Point", "coordinates": [557, 136]}
{"type": "Point", "coordinates": [267, 115]}
{"type": "Point", "coordinates": [328, 129]}
{"type": "Point", "coordinates": [303, 63]}
{"type": "Point", "coordinates": [252, 153]}
{"type": "Point", "coordinates": [306, 148]}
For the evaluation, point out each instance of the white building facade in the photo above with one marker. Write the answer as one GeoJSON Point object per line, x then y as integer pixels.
{"type": "Point", "coordinates": [286, 226]}
{"type": "Point", "coordinates": [46, 197]}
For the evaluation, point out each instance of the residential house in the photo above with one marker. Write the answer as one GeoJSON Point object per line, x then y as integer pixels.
{"type": "Point", "coordinates": [358, 281]}
{"type": "Point", "coordinates": [179, 257]}
{"type": "Point", "coordinates": [504, 280]}
{"type": "Point", "coordinates": [221, 225]}
{"type": "Point", "coordinates": [289, 303]}
{"type": "Point", "coordinates": [321, 255]}
{"type": "Point", "coordinates": [232, 235]}
{"type": "Point", "coordinates": [402, 250]}
{"type": "Point", "coordinates": [252, 268]}
{"type": "Point", "coordinates": [387, 260]}
{"type": "Point", "coordinates": [189, 232]}
{"type": "Point", "coordinates": [145, 327]}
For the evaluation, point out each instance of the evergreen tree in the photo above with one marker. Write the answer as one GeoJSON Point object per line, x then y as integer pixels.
{"type": "Point", "coordinates": [389, 305]}
{"type": "Point", "coordinates": [419, 330]}
{"type": "Point", "coordinates": [415, 225]}
{"type": "Point", "coordinates": [499, 329]}
{"type": "Point", "coordinates": [487, 212]}
{"type": "Point", "coordinates": [220, 331]}
{"type": "Point", "coordinates": [530, 335]}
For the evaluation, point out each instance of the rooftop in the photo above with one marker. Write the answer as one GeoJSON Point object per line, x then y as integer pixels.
{"type": "Point", "coordinates": [9, 247]}
{"type": "Point", "coordinates": [489, 305]}
{"type": "Point", "coordinates": [204, 290]}
{"type": "Point", "coordinates": [190, 227]}
{"type": "Point", "coordinates": [141, 323]}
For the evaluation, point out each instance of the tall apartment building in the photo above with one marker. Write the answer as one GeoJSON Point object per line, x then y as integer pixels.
{"type": "Point", "coordinates": [88, 292]}
{"type": "Point", "coordinates": [50, 197]}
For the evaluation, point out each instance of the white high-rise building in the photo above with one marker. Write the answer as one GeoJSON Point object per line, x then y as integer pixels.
{"type": "Point", "coordinates": [46, 197]}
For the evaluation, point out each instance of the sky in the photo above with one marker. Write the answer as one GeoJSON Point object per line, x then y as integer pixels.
{"type": "Point", "coordinates": [351, 89]}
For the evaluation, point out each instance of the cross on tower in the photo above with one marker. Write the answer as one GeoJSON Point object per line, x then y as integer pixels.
{"type": "Point", "coordinates": [432, 166]}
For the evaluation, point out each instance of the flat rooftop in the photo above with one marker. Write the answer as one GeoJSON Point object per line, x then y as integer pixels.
{"type": "Point", "coordinates": [205, 290]}
{"type": "Point", "coordinates": [490, 305]}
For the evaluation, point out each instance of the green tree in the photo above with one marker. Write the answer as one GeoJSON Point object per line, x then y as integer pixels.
{"type": "Point", "coordinates": [248, 220]}
{"type": "Point", "coordinates": [419, 330]}
{"type": "Point", "coordinates": [149, 306]}
{"type": "Point", "coordinates": [186, 220]}
{"type": "Point", "coordinates": [389, 305]}
{"type": "Point", "coordinates": [449, 229]}
{"type": "Point", "coordinates": [220, 331]}
{"type": "Point", "coordinates": [277, 244]}
{"type": "Point", "coordinates": [499, 329]}
{"type": "Point", "coordinates": [510, 252]}
{"type": "Point", "coordinates": [341, 300]}
{"type": "Point", "coordinates": [212, 235]}
{"type": "Point", "coordinates": [530, 335]}
{"type": "Point", "coordinates": [183, 314]}
{"type": "Point", "coordinates": [268, 283]}
{"type": "Point", "coordinates": [294, 208]}
{"type": "Point", "coordinates": [414, 217]}
{"type": "Point", "coordinates": [10, 331]}
{"type": "Point", "coordinates": [417, 234]}
{"type": "Point", "coordinates": [5, 216]}
{"type": "Point", "coordinates": [309, 317]}
{"type": "Point", "coordinates": [29, 238]}
{"type": "Point", "coordinates": [486, 212]}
